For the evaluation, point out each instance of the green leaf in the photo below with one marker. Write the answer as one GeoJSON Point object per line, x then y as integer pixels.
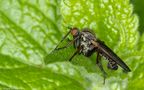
{"type": "Point", "coordinates": [111, 20]}
{"type": "Point", "coordinates": [17, 75]}
{"type": "Point", "coordinates": [30, 29]}
{"type": "Point", "coordinates": [137, 64]}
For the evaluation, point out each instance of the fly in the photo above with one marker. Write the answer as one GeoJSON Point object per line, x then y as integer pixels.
{"type": "Point", "coordinates": [86, 43]}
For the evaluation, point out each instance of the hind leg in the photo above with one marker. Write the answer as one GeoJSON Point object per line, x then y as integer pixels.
{"type": "Point", "coordinates": [98, 62]}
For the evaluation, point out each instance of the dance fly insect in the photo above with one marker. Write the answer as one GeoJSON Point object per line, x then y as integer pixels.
{"type": "Point", "coordinates": [86, 43]}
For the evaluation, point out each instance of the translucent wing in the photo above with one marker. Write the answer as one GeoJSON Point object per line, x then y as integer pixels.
{"type": "Point", "coordinates": [108, 53]}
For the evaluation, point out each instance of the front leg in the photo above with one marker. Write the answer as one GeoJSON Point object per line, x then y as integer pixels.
{"type": "Point", "coordinates": [75, 53]}
{"type": "Point", "coordinates": [66, 46]}
{"type": "Point", "coordinates": [98, 62]}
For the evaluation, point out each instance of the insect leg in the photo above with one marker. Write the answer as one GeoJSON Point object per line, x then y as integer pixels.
{"type": "Point", "coordinates": [67, 45]}
{"type": "Point", "coordinates": [98, 62]}
{"type": "Point", "coordinates": [62, 39]}
{"type": "Point", "coordinates": [76, 52]}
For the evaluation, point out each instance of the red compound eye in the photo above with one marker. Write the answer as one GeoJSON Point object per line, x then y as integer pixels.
{"type": "Point", "coordinates": [74, 31]}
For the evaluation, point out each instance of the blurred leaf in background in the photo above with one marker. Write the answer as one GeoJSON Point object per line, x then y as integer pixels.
{"type": "Point", "coordinates": [30, 29]}
{"type": "Point", "coordinates": [138, 9]}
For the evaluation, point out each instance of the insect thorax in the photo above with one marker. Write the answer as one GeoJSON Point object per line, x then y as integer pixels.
{"type": "Point", "coordinates": [87, 48]}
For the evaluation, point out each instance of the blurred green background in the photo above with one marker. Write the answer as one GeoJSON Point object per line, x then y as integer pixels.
{"type": "Point", "coordinates": [30, 29]}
